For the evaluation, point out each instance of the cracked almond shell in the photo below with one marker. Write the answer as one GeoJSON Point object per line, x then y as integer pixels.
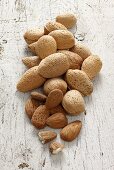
{"type": "Point", "coordinates": [78, 80]}
{"type": "Point", "coordinates": [45, 46]}
{"type": "Point", "coordinates": [32, 35]}
{"type": "Point", "coordinates": [30, 80]}
{"type": "Point", "coordinates": [92, 66]}
{"type": "Point", "coordinates": [55, 83]}
{"type": "Point", "coordinates": [54, 65]}
{"type": "Point", "coordinates": [46, 136]}
{"type": "Point", "coordinates": [68, 20]}
{"type": "Point", "coordinates": [63, 38]}
{"type": "Point", "coordinates": [73, 102]}
{"type": "Point", "coordinates": [51, 26]}
{"type": "Point", "coordinates": [81, 50]}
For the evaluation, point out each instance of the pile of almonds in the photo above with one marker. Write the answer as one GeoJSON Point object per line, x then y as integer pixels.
{"type": "Point", "coordinates": [64, 69]}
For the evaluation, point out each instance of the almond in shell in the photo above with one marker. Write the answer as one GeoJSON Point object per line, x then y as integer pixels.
{"type": "Point", "coordinates": [31, 61]}
{"type": "Point", "coordinates": [38, 96]}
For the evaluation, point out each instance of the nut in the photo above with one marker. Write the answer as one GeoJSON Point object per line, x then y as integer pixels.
{"type": "Point", "coordinates": [32, 47]}
{"type": "Point", "coordinates": [78, 80]}
{"type": "Point", "coordinates": [81, 50]}
{"type": "Point", "coordinates": [68, 20]}
{"type": "Point", "coordinates": [75, 61]}
{"type": "Point", "coordinates": [55, 83]}
{"type": "Point", "coordinates": [32, 35]}
{"type": "Point", "coordinates": [54, 65]}
{"type": "Point", "coordinates": [92, 66]}
{"type": "Point", "coordinates": [73, 102]}
{"type": "Point", "coordinates": [30, 107]}
{"type": "Point", "coordinates": [57, 121]}
{"type": "Point", "coordinates": [40, 116]}
{"type": "Point", "coordinates": [51, 26]}
{"type": "Point", "coordinates": [38, 96]}
{"type": "Point", "coordinates": [45, 46]}
{"type": "Point", "coordinates": [71, 131]}
{"type": "Point", "coordinates": [54, 98]}
{"type": "Point", "coordinates": [30, 80]}
{"type": "Point", "coordinates": [55, 147]}
{"type": "Point", "coordinates": [63, 38]}
{"type": "Point", "coordinates": [57, 109]}
{"type": "Point", "coordinates": [31, 61]}
{"type": "Point", "coordinates": [46, 136]}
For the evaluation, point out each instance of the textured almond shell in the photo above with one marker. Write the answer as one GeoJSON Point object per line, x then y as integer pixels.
{"type": "Point", "coordinates": [38, 96]}
{"type": "Point", "coordinates": [81, 50]}
{"type": "Point", "coordinates": [54, 65]}
{"type": "Point", "coordinates": [57, 109]}
{"type": "Point", "coordinates": [31, 61]}
{"type": "Point", "coordinates": [40, 116]}
{"type": "Point", "coordinates": [55, 83]}
{"type": "Point", "coordinates": [51, 26]}
{"type": "Point", "coordinates": [73, 102]}
{"type": "Point", "coordinates": [30, 80]}
{"type": "Point", "coordinates": [32, 47]}
{"type": "Point", "coordinates": [63, 38]}
{"type": "Point", "coordinates": [71, 131]}
{"type": "Point", "coordinates": [32, 35]}
{"type": "Point", "coordinates": [45, 46]}
{"type": "Point", "coordinates": [68, 20]}
{"type": "Point", "coordinates": [75, 61]}
{"type": "Point", "coordinates": [92, 66]}
{"type": "Point", "coordinates": [78, 80]}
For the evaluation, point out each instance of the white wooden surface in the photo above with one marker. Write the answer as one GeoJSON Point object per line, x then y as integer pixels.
{"type": "Point", "coordinates": [94, 148]}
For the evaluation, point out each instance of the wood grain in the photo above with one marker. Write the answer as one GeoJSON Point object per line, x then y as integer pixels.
{"type": "Point", "coordinates": [19, 144]}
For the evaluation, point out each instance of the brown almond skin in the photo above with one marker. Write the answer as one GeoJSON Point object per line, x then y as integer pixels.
{"type": "Point", "coordinates": [38, 96]}
{"type": "Point", "coordinates": [54, 98]}
{"type": "Point", "coordinates": [71, 131]}
{"type": "Point", "coordinates": [32, 35]}
{"type": "Point", "coordinates": [31, 61]}
{"type": "Point", "coordinates": [46, 136]}
{"type": "Point", "coordinates": [54, 65]}
{"type": "Point", "coordinates": [51, 26]}
{"type": "Point", "coordinates": [30, 106]}
{"type": "Point", "coordinates": [45, 46]}
{"type": "Point", "coordinates": [81, 50]}
{"type": "Point", "coordinates": [40, 116]}
{"type": "Point", "coordinates": [55, 83]}
{"type": "Point", "coordinates": [30, 80]}
{"type": "Point", "coordinates": [63, 38]}
{"type": "Point", "coordinates": [57, 109]}
{"type": "Point", "coordinates": [55, 147]}
{"type": "Point", "coordinates": [73, 102]}
{"type": "Point", "coordinates": [32, 47]}
{"type": "Point", "coordinates": [75, 61]}
{"type": "Point", "coordinates": [78, 80]}
{"type": "Point", "coordinates": [92, 66]}
{"type": "Point", "coordinates": [57, 121]}
{"type": "Point", "coordinates": [68, 20]}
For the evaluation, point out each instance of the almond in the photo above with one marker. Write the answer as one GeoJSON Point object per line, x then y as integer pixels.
{"type": "Point", "coordinates": [57, 121]}
{"type": "Point", "coordinates": [38, 96]}
{"type": "Point", "coordinates": [81, 50]}
{"type": "Point", "coordinates": [73, 102]}
{"type": "Point", "coordinates": [45, 46]}
{"type": "Point", "coordinates": [55, 147]}
{"type": "Point", "coordinates": [75, 61]}
{"type": "Point", "coordinates": [31, 61]}
{"type": "Point", "coordinates": [78, 80]}
{"type": "Point", "coordinates": [32, 35]}
{"type": "Point", "coordinates": [54, 98]}
{"type": "Point", "coordinates": [32, 47]}
{"type": "Point", "coordinates": [92, 66]}
{"type": "Point", "coordinates": [55, 83]}
{"type": "Point", "coordinates": [54, 65]}
{"type": "Point", "coordinates": [30, 80]}
{"type": "Point", "coordinates": [51, 26]}
{"type": "Point", "coordinates": [57, 109]}
{"type": "Point", "coordinates": [63, 38]}
{"type": "Point", "coordinates": [30, 107]}
{"type": "Point", "coordinates": [71, 131]}
{"type": "Point", "coordinates": [46, 136]}
{"type": "Point", "coordinates": [40, 116]}
{"type": "Point", "coordinates": [68, 20]}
